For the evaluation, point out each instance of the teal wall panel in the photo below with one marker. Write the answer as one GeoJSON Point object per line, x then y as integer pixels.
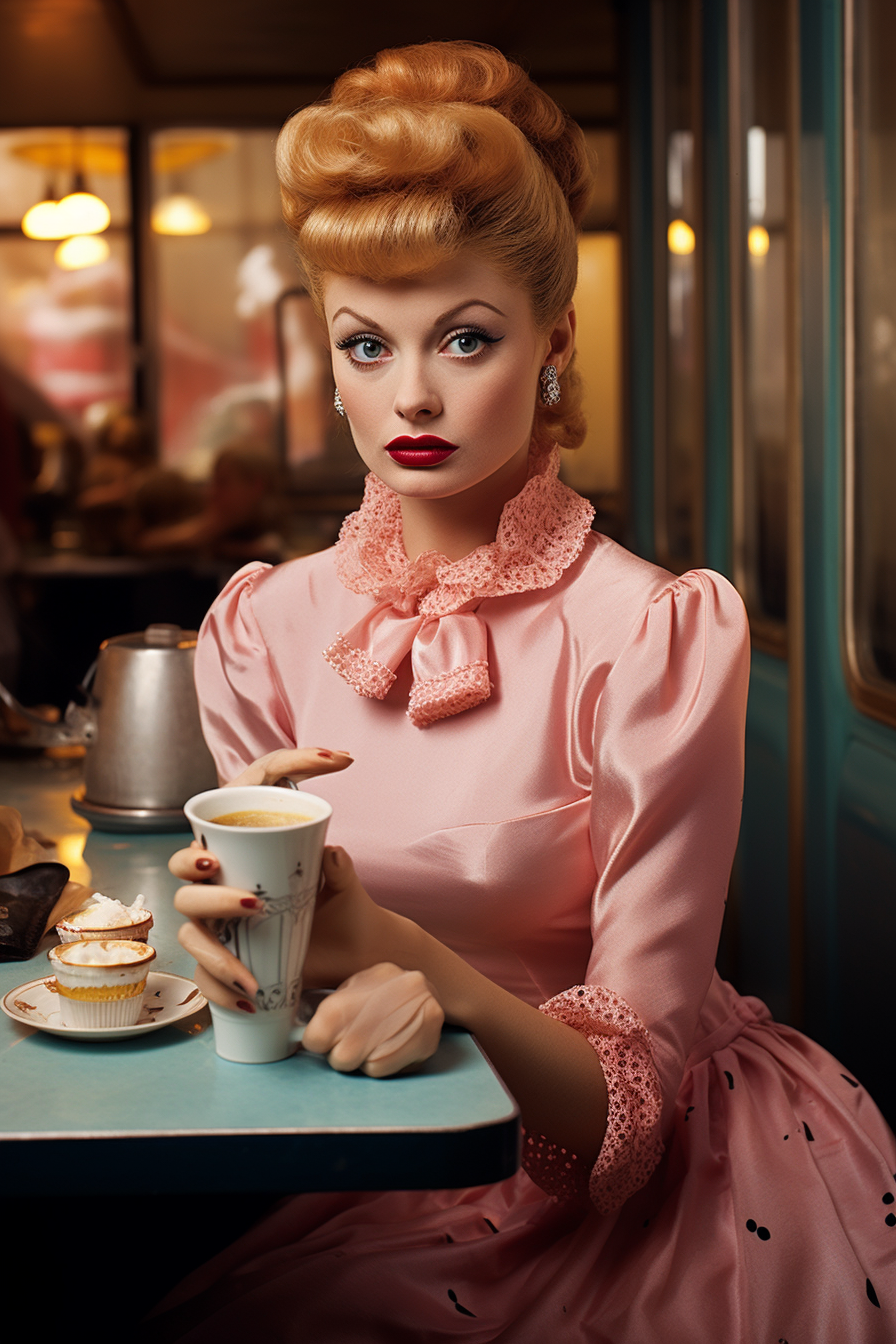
{"type": "Point", "coordinates": [640, 536]}
{"type": "Point", "coordinates": [763, 910]}
{"type": "Point", "coordinates": [717, 292]}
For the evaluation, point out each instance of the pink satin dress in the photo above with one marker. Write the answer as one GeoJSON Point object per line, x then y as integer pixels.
{"type": "Point", "coordinates": [570, 833]}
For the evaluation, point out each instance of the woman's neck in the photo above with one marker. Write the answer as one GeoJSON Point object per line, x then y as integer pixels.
{"type": "Point", "coordinates": [456, 525]}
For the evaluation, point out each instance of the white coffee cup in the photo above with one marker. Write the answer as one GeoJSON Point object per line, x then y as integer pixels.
{"type": "Point", "coordinates": [280, 865]}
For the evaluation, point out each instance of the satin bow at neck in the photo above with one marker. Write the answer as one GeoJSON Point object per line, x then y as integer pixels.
{"type": "Point", "coordinates": [427, 607]}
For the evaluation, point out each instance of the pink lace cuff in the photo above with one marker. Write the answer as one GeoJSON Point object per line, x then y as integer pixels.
{"type": "Point", "coordinates": [363, 673]}
{"type": "Point", "coordinates": [632, 1146]}
{"type": "Point", "coordinates": [449, 693]}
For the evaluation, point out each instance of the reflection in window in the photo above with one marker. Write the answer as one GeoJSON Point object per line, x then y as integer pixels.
{"type": "Point", "coordinates": [222, 259]}
{"type": "Point", "coordinates": [306, 377]}
{"type": "Point", "coordinates": [875, 339]}
{"type": "Point", "coordinates": [595, 469]}
{"type": "Point", "coordinates": [679, 440]}
{"type": "Point", "coordinates": [761, 267]}
{"type": "Point", "coordinates": [317, 445]}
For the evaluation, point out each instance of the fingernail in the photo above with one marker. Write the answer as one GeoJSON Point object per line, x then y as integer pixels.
{"type": "Point", "coordinates": [204, 864]}
{"type": "Point", "coordinates": [245, 1006]}
{"type": "Point", "coordinates": [327, 755]}
{"type": "Point", "coordinates": [335, 857]}
{"type": "Point", "coordinates": [250, 902]}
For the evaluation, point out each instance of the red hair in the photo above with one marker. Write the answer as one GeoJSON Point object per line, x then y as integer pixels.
{"type": "Point", "coordinates": [433, 149]}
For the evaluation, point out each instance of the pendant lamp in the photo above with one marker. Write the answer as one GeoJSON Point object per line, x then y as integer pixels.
{"type": "Point", "coordinates": [81, 212]}
{"type": "Point", "coordinates": [180, 214]}
{"type": "Point", "coordinates": [81, 251]}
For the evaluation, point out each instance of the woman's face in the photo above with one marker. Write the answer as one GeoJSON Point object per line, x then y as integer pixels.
{"type": "Point", "coordinates": [439, 375]}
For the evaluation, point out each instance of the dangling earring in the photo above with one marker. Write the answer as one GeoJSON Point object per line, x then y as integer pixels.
{"type": "Point", "coordinates": [337, 402]}
{"type": "Point", "coordinates": [550, 385]}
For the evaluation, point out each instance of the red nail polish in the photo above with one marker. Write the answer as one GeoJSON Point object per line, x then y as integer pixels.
{"type": "Point", "coordinates": [245, 1005]}
{"type": "Point", "coordinates": [327, 755]}
{"type": "Point", "coordinates": [250, 902]}
{"type": "Point", "coordinates": [204, 864]}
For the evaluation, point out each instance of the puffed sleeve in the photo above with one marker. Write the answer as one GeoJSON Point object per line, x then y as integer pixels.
{"type": "Point", "coordinates": [668, 748]}
{"type": "Point", "coordinates": [240, 705]}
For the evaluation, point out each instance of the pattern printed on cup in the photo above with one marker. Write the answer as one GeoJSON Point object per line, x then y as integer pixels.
{"type": "Point", "coordinates": [272, 944]}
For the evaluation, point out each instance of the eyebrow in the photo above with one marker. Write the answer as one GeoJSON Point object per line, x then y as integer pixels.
{"type": "Point", "coordinates": [443, 317]}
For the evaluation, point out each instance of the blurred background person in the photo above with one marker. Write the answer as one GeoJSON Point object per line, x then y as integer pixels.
{"type": "Point", "coordinates": [239, 520]}
{"type": "Point", "coordinates": [122, 458]}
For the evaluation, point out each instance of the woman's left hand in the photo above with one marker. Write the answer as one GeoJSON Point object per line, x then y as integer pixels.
{"type": "Point", "coordinates": [350, 932]}
{"type": "Point", "coordinates": [380, 1021]}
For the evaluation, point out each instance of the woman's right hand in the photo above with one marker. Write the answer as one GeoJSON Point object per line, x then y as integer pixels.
{"type": "Point", "coordinates": [293, 763]}
{"type": "Point", "coordinates": [220, 976]}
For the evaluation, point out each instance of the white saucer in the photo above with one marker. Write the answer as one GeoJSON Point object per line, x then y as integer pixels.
{"type": "Point", "coordinates": [168, 998]}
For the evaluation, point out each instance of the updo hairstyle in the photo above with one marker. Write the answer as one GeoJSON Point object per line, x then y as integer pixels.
{"type": "Point", "coordinates": [432, 150]}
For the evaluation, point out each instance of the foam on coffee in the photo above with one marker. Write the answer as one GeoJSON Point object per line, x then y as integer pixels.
{"type": "Point", "coordinates": [260, 817]}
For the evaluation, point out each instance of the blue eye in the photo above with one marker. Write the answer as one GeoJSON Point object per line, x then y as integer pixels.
{"type": "Point", "coordinates": [362, 349]}
{"type": "Point", "coordinates": [469, 343]}
{"type": "Point", "coordinates": [367, 350]}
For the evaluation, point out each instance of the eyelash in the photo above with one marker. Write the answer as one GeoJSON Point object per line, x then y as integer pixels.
{"type": "Point", "coordinates": [349, 343]}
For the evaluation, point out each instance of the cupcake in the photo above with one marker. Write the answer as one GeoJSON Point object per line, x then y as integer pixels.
{"type": "Point", "coordinates": [101, 983]}
{"type": "Point", "coordinates": [101, 917]}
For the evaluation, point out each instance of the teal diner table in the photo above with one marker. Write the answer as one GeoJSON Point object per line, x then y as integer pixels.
{"type": "Point", "coordinates": [161, 1104]}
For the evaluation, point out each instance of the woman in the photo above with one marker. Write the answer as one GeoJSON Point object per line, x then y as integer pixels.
{"type": "Point", "coordinates": [540, 792]}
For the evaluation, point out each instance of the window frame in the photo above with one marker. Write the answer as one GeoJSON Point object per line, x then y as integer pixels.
{"type": "Point", "coordinates": [661, 437]}
{"type": "Point", "coordinates": [874, 696]}
{"type": "Point", "coordinates": [769, 634]}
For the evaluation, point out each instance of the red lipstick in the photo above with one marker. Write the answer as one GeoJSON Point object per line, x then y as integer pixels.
{"type": "Point", "coordinates": [424, 450]}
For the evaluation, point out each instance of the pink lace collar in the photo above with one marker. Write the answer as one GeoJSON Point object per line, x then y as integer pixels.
{"type": "Point", "coordinates": [426, 607]}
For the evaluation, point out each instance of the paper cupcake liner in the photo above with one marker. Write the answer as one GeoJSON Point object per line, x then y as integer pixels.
{"type": "Point", "coordinates": [105, 1013]}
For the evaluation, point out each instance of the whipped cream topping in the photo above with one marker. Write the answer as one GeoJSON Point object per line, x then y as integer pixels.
{"type": "Point", "coordinates": [106, 913]}
{"type": "Point", "coordinates": [102, 953]}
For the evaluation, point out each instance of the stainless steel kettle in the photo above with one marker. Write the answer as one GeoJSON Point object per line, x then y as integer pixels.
{"type": "Point", "coordinates": [145, 751]}
{"type": "Point", "coordinates": [140, 724]}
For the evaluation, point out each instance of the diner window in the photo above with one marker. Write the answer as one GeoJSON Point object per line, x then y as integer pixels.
{"type": "Point", "coordinates": [222, 259]}
{"type": "Point", "coordinates": [760, 295]}
{"type": "Point", "coordinates": [678, 355]}
{"type": "Point", "coordinates": [595, 469]}
{"type": "Point", "coordinates": [65, 291]}
{"type": "Point", "coordinates": [871, 465]}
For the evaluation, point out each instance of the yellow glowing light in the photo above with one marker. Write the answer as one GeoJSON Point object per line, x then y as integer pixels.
{"type": "Point", "coordinates": [82, 212]}
{"type": "Point", "coordinates": [757, 241]}
{"type": "Point", "coordinates": [41, 221]}
{"type": "Point", "coordinates": [681, 238]}
{"type": "Point", "coordinates": [181, 215]}
{"type": "Point", "coordinates": [82, 250]}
